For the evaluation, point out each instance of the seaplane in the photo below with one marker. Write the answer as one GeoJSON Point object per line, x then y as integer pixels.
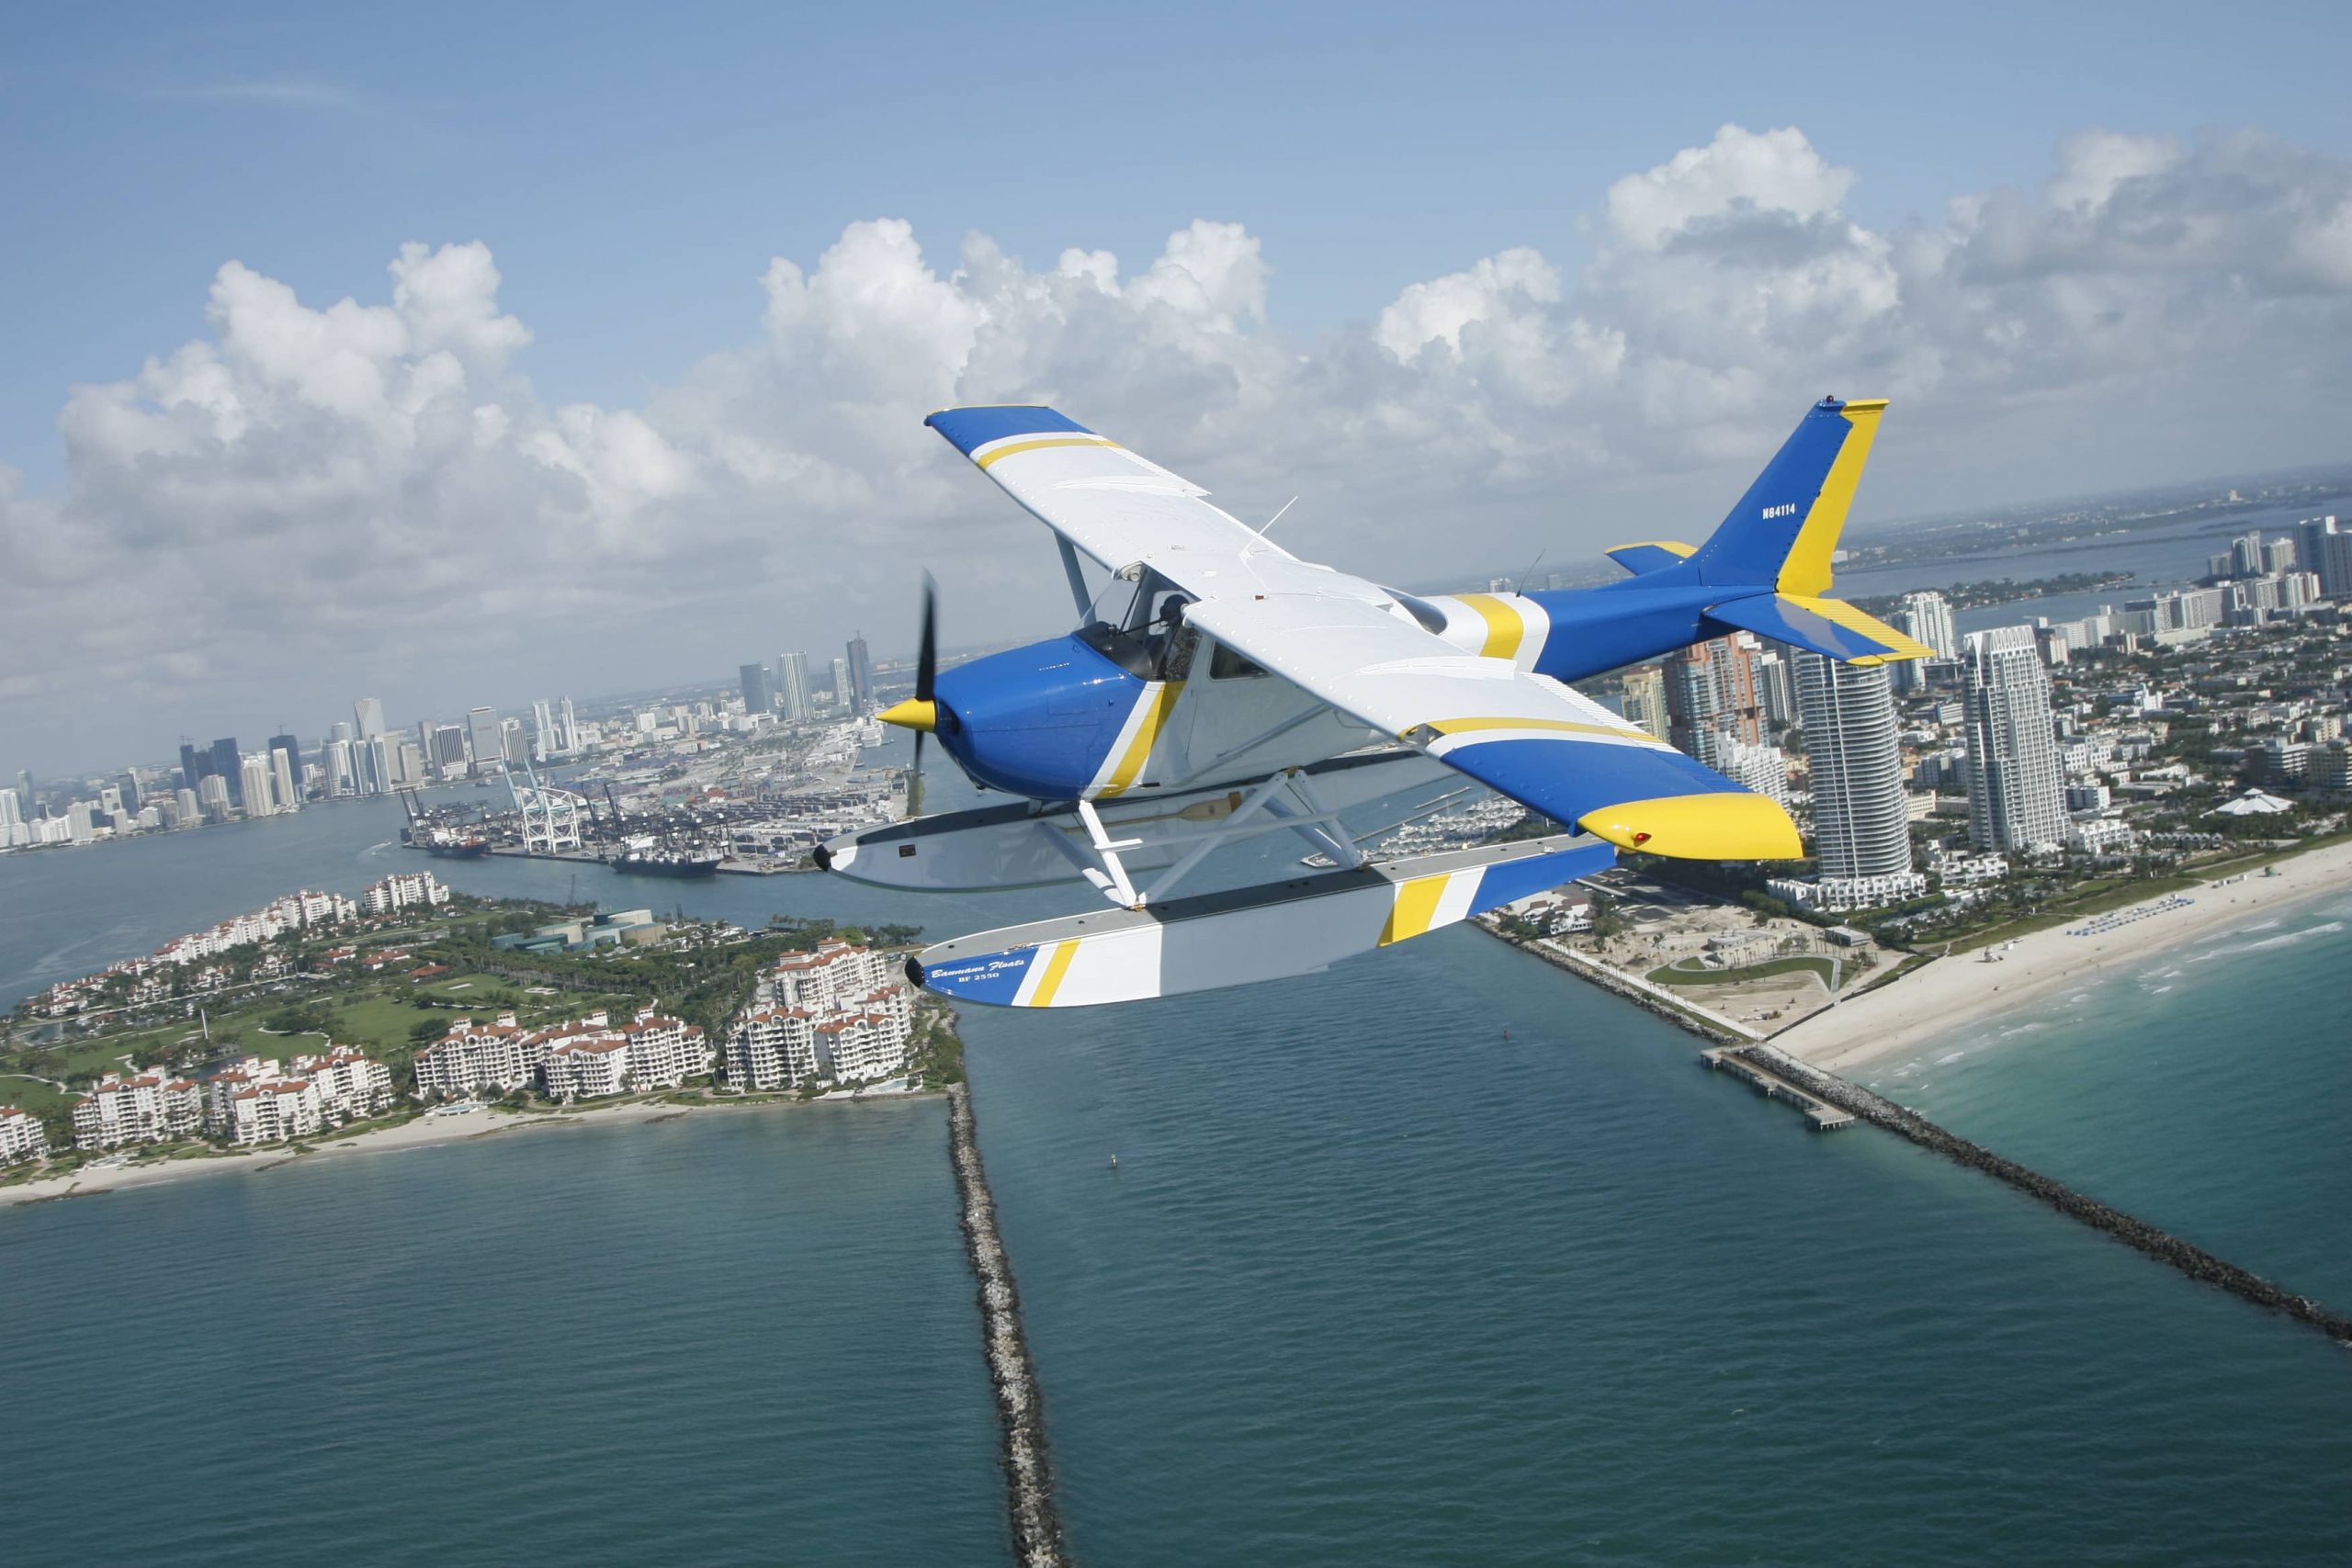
{"type": "Point", "coordinates": [1219, 688]}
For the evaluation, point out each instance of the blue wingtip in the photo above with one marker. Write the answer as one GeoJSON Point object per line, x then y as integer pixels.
{"type": "Point", "coordinates": [967, 429]}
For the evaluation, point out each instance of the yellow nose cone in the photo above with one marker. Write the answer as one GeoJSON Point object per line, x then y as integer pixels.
{"type": "Point", "coordinates": [911, 714]}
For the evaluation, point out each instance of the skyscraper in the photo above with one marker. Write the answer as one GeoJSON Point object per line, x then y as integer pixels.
{"type": "Point", "coordinates": [792, 685]}
{"type": "Point", "coordinates": [482, 734]}
{"type": "Point", "coordinates": [254, 785]}
{"type": "Point", "coordinates": [861, 674]}
{"type": "Point", "coordinates": [757, 698]}
{"type": "Point", "coordinates": [283, 775]}
{"type": "Point", "coordinates": [571, 728]}
{"type": "Point", "coordinates": [369, 712]}
{"type": "Point", "coordinates": [227, 765]}
{"type": "Point", "coordinates": [1711, 698]}
{"type": "Point", "coordinates": [2016, 791]}
{"type": "Point", "coordinates": [191, 769]}
{"type": "Point", "coordinates": [1860, 823]}
{"type": "Point", "coordinates": [1928, 618]}
{"type": "Point", "coordinates": [293, 750]}
{"type": "Point", "coordinates": [842, 693]}
{"type": "Point", "coordinates": [544, 740]}
{"type": "Point", "coordinates": [1645, 699]}
{"type": "Point", "coordinates": [2325, 547]}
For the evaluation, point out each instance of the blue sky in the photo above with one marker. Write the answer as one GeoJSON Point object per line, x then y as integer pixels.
{"type": "Point", "coordinates": [1471, 281]}
{"type": "Point", "coordinates": [633, 167]}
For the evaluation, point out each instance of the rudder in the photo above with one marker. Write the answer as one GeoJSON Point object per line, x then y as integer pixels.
{"type": "Point", "coordinates": [1783, 532]}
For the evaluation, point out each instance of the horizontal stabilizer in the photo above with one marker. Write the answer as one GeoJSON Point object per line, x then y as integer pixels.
{"type": "Point", "coordinates": [1651, 555]}
{"type": "Point", "coordinates": [1827, 626]}
{"type": "Point", "coordinates": [1235, 938]}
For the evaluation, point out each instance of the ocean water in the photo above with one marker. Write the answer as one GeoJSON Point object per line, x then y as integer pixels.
{"type": "Point", "coordinates": [745, 1338]}
{"type": "Point", "coordinates": [2206, 1089]}
{"type": "Point", "coordinates": [1372, 1283]}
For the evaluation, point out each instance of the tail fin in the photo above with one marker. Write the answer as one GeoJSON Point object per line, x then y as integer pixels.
{"type": "Point", "coordinates": [1781, 534]}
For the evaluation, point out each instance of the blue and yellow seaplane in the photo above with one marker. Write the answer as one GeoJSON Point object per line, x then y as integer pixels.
{"type": "Point", "coordinates": [1219, 688]}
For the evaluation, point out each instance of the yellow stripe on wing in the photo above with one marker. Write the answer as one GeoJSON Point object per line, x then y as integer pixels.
{"type": "Point", "coordinates": [1007, 450]}
{"type": "Point", "coordinates": [1557, 725]}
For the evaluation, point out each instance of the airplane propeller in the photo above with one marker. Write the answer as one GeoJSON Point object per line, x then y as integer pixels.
{"type": "Point", "coordinates": [926, 671]}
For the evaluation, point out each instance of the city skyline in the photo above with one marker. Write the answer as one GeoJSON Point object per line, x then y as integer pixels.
{"type": "Point", "coordinates": [404, 412]}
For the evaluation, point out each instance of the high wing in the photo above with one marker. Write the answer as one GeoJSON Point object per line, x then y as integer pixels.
{"type": "Point", "coordinates": [1354, 646]}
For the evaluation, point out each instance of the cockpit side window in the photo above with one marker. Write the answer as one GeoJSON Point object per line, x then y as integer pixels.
{"type": "Point", "coordinates": [1227, 664]}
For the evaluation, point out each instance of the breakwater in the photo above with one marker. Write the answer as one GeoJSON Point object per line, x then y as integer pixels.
{"type": "Point", "coordinates": [1616, 984]}
{"type": "Point", "coordinates": [2166, 1247]}
{"type": "Point", "coordinates": [1020, 1405]}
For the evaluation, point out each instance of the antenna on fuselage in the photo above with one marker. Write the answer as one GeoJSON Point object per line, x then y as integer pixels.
{"type": "Point", "coordinates": [1523, 576]}
{"type": "Point", "coordinates": [1268, 526]}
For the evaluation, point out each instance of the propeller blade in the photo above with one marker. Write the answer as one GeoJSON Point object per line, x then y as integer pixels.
{"type": "Point", "coordinates": [927, 656]}
{"type": "Point", "coordinates": [926, 670]}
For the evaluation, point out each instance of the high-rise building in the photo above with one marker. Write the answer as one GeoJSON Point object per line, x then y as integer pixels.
{"type": "Point", "coordinates": [447, 754]}
{"type": "Point", "coordinates": [792, 686]}
{"type": "Point", "coordinates": [1860, 821]}
{"type": "Point", "coordinates": [545, 741]}
{"type": "Point", "coordinates": [227, 765]}
{"type": "Point", "coordinates": [369, 712]}
{"type": "Point", "coordinates": [843, 694]}
{"type": "Point", "coordinates": [861, 674]}
{"type": "Point", "coordinates": [335, 756]}
{"type": "Point", "coordinates": [293, 750]}
{"type": "Point", "coordinates": [513, 746]}
{"type": "Point", "coordinates": [1645, 699]}
{"type": "Point", "coordinates": [11, 815]}
{"type": "Point", "coordinates": [571, 731]}
{"type": "Point", "coordinates": [757, 698]}
{"type": "Point", "coordinates": [1776, 688]}
{"type": "Point", "coordinates": [1711, 698]}
{"type": "Point", "coordinates": [482, 734]}
{"type": "Point", "coordinates": [376, 762]}
{"type": "Point", "coordinates": [2325, 547]}
{"type": "Point", "coordinates": [283, 775]}
{"type": "Point", "coordinates": [255, 785]}
{"type": "Point", "coordinates": [2016, 792]}
{"type": "Point", "coordinates": [135, 794]}
{"type": "Point", "coordinates": [192, 767]}
{"type": "Point", "coordinates": [1928, 618]}
{"type": "Point", "coordinates": [2279, 556]}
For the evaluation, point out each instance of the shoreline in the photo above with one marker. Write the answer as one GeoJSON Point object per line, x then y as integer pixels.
{"type": "Point", "coordinates": [417, 1132]}
{"type": "Point", "coordinates": [1945, 996]}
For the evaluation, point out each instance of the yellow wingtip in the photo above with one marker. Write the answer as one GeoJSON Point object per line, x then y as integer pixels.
{"type": "Point", "coordinates": [1700, 827]}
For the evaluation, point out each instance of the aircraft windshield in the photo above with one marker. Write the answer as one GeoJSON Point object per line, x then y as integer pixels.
{"type": "Point", "coordinates": [1137, 621]}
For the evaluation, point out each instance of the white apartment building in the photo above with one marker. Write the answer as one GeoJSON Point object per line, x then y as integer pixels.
{"type": "Point", "coordinates": [473, 1057]}
{"type": "Point", "coordinates": [350, 1084]}
{"type": "Point", "coordinates": [651, 1051]}
{"type": "Point", "coordinates": [274, 1110]}
{"type": "Point", "coordinates": [832, 975]}
{"type": "Point", "coordinates": [401, 889]}
{"type": "Point", "coordinates": [1861, 819]}
{"type": "Point", "coordinates": [144, 1108]}
{"type": "Point", "coordinates": [2015, 794]}
{"type": "Point", "coordinates": [21, 1136]}
{"type": "Point", "coordinates": [841, 1012]}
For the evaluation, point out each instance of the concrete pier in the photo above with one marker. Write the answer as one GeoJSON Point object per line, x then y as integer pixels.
{"type": "Point", "coordinates": [1020, 1403]}
{"type": "Point", "coordinates": [1736, 1061]}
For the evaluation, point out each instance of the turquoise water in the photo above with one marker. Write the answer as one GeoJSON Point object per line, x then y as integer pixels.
{"type": "Point", "coordinates": [720, 1339]}
{"type": "Point", "coordinates": [1372, 1284]}
{"type": "Point", "coordinates": [2204, 1090]}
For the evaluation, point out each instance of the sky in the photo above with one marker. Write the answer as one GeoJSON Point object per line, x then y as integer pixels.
{"type": "Point", "coordinates": [464, 354]}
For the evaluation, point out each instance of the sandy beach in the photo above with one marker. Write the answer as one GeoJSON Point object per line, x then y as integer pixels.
{"type": "Point", "coordinates": [422, 1132]}
{"type": "Point", "coordinates": [1948, 994]}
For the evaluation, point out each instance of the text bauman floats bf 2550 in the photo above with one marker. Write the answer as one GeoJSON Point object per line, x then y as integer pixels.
{"type": "Point", "coordinates": [1222, 688]}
